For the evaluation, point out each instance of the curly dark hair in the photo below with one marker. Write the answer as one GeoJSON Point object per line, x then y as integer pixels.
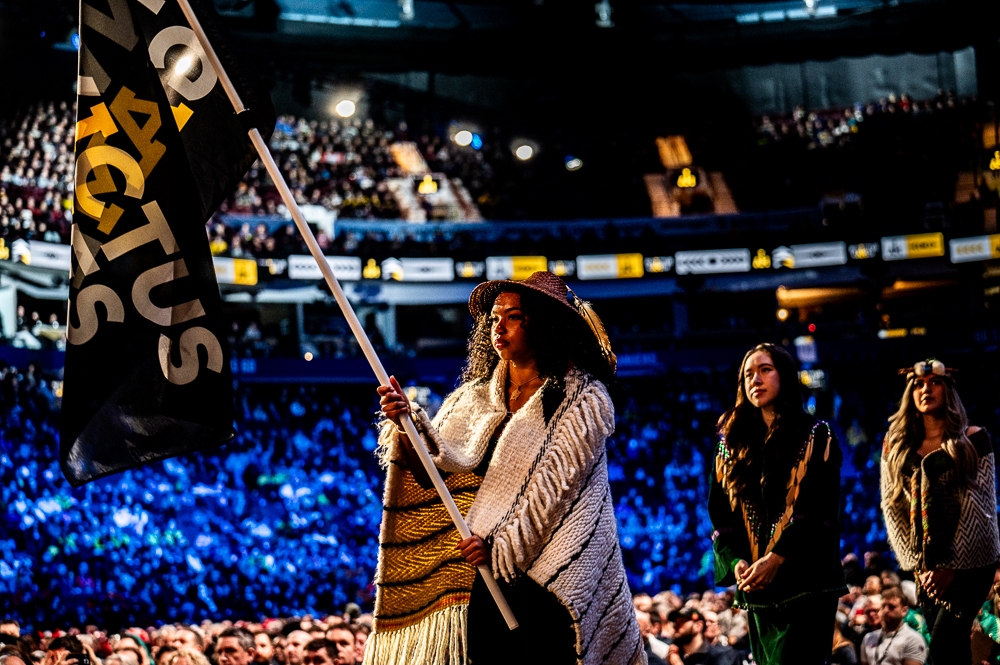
{"type": "Point", "coordinates": [743, 424]}
{"type": "Point", "coordinates": [560, 340]}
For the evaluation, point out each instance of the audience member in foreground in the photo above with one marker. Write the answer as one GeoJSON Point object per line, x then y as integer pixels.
{"type": "Point", "coordinates": [690, 645]}
{"type": "Point", "coordinates": [775, 502]}
{"type": "Point", "coordinates": [235, 647]}
{"type": "Point", "coordinates": [895, 643]}
{"type": "Point", "coordinates": [656, 650]}
{"type": "Point", "coordinates": [940, 507]}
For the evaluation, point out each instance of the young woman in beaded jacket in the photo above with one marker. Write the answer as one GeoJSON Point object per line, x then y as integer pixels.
{"type": "Point", "coordinates": [774, 501]}
{"type": "Point", "coordinates": [939, 502]}
{"type": "Point", "coordinates": [531, 416]}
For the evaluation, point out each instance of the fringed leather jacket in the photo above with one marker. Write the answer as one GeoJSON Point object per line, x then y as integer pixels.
{"type": "Point", "coordinates": [794, 511]}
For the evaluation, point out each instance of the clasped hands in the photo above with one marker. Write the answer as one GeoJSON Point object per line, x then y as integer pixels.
{"type": "Point", "coordinates": [936, 582]}
{"type": "Point", "coordinates": [756, 576]}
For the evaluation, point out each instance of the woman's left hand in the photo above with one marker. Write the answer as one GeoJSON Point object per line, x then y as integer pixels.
{"type": "Point", "coordinates": [936, 582]}
{"type": "Point", "coordinates": [761, 572]}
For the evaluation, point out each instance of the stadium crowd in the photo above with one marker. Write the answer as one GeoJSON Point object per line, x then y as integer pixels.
{"type": "Point", "coordinates": [37, 168]}
{"type": "Point", "coordinates": [344, 167]}
{"type": "Point", "coordinates": [704, 628]}
{"type": "Point", "coordinates": [840, 127]}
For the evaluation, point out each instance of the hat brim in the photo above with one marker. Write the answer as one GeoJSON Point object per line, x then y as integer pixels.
{"type": "Point", "coordinates": [482, 297]}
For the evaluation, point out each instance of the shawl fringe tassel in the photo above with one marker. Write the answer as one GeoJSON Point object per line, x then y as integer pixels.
{"type": "Point", "coordinates": [438, 639]}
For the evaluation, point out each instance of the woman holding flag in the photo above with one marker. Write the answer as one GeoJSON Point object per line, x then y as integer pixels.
{"type": "Point", "coordinates": [522, 440]}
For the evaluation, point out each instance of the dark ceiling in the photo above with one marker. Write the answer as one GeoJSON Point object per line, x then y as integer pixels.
{"type": "Point", "coordinates": [545, 38]}
{"type": "Point", "coordinates": [491, 37]}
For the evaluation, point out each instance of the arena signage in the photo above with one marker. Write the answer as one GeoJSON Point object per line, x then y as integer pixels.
{"type": "Point", "coordinates": [514, 267]}
{"type": "Point", "coordinates": [304, 266]}
{"type": "Point", "coordinates": [658, 264]}
{"type": "Point", "coordinates": [609, 266]}
{"type": "Point", "coordinates": [40, 254]}
{"type": "Point", "coordinates": [562, 268]}
{"type": "Point", "coordinates": [419, 270]}
{"type": "Point", "coordinates": [817, 255]}
{"type": "Point", "coordinates": [712, 261]}
{"type": "Point", "coordinates": [235, 271]}
{"type": "Point", "coordinates": [470, 269]}
{"type": "Point", "coordinates": [978, 248]}
{"type": "Point", "coordinates": [917, 246]}
{"type": "Point", "coordinates": [863, 250]}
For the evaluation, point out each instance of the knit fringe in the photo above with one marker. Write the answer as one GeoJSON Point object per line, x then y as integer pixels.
{"type": "Point", "coordinates": [563, 467]}
{"type": "Point", "coordinates": [438, 639]}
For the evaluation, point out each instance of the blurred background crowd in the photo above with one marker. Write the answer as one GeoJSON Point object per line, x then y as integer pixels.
{"type": "Point", "coordinates": [285, 518]}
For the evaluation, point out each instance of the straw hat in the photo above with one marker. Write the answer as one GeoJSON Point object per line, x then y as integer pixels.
{"type": "Point", "coordinates": [542, 281]}
{"type": "Point", "coordinates": [549, 285]}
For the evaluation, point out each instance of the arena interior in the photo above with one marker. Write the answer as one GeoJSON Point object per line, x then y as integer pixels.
{"type": "Point", "coordinates": [823, 175]}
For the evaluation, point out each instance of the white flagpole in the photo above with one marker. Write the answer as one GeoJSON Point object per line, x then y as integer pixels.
{"type": "Point", "coordinates": [352, 319]}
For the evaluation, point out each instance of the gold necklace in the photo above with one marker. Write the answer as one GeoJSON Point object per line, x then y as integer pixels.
{"type": "Point", "coordinates": [514, 394]}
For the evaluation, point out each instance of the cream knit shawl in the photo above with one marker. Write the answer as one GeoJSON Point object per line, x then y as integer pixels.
{"type": "Point", "coordinates": [545, 503]}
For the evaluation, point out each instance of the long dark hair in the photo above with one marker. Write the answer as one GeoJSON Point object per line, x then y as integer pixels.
{"type": "Point", "coordinates": [559, 339]}
{"type": "Point", "coordinates": [741, 425]}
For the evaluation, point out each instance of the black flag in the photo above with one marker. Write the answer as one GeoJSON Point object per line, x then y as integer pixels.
{"type": "Point", "coordinates": [158, 147]}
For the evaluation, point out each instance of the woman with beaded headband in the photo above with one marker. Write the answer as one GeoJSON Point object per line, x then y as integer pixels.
{"type": "Point", "coordinates": [940, 508]}
{"type": "Point", "coordinates": [774, 501]}
{"type": "Point", "coordinates": [529, 419]}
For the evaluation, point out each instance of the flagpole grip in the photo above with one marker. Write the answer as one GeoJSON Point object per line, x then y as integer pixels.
{"type": "Point", "coordinates": [338, 293]}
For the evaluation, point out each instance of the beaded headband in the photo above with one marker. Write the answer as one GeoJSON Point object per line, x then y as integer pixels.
{"type": "Point", "coordinates": [929, 367]}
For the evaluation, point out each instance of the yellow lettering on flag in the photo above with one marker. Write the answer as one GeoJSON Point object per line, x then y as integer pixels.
{"type": "Point", "coordinates": [245, 272]}
{"type": "Point", "coordinates": [924, 245]}
{"type": "Point", "coordinates": [181, 115]}
{"type": "Point", "coordinates": [630, 265]}
{"type": "Point", "coordinates": [99, 121]}
{"type": "Point", "coordinates": [124, 105]}
{"type": "Point", "coordinates": [92, 159]}
{"type": "Point", "coordinates": [522, 267]}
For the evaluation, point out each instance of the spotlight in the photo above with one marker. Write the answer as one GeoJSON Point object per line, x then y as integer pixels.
{"type": "Point", "coordinates": [308, 356]}
{"type": "Point", "coordinates": [782, 314]}
{"type": "Point", "coordinates": [573, 163]}
{"type": "Point", "coordinates": [183, 65]}
{"type": "Point", "coordinates": [345, 108]}
{"type": "Point", "coordinates": [463, 138]}
{"type": "Point", "coordinates": [524, 152]}
{"type": "Point", "coordinates": [477, 142]}
{"type": "Point", "coordinates": [812, 327]}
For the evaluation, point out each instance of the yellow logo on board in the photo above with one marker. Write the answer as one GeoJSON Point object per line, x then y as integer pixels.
{"type": "Point", "coordinates": [244, 272]}
{"type": "Point", "coordinates": [686, 179]}
{"type": "Point", "coordinates": [522, 267]}
{"type": "Point", "coordinates": [924, 245]}
{"type": "Point", "coordinates": [629, 265]}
